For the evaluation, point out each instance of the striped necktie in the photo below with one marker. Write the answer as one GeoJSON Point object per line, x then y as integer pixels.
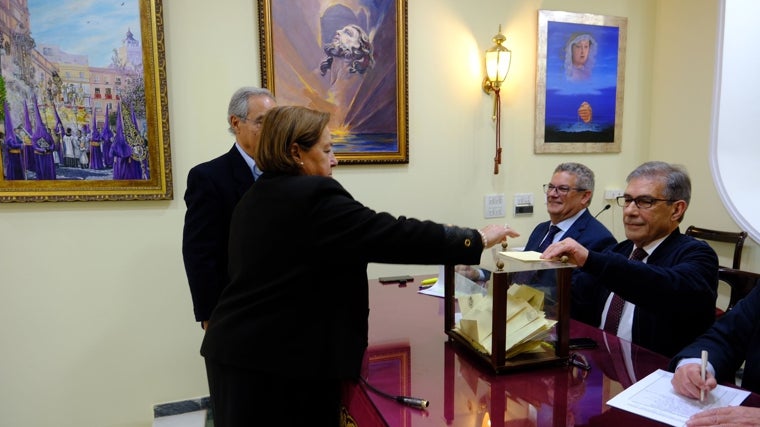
{"type": "Point", "coordinates": [615, 311]}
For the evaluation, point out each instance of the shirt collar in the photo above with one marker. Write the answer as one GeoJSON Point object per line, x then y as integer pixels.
{"type": "Point", "coordinates": [565, 224]}
{"type": "Point", "coordinates": [249, 161]}
{"type": "Point", "coordinates": [650, 248]}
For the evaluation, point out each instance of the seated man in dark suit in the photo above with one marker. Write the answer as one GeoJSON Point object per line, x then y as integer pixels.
{"type": "Point", "coordinates": [568, 196]}
{"type": "Point", "coordinates": [662, 295]}
{"type": "Point", "coordinates": [213, 190]}
{"type": "Point", "coordinates": [734, 338]}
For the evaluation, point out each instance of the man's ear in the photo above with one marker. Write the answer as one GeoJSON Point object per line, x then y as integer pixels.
{"type": "Point", "coordinates": [679, 209]}
{"type": "Point", "coordinates": [234, 121]}
{"type": "Point", "coordinates": [586, 199]}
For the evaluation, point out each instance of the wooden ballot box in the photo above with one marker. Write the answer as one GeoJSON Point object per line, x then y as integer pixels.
{"type": "Point", "coordinates": [505, 329]}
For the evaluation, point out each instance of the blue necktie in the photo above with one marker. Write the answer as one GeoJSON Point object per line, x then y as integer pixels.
{"type": "Point", "coordinates": [526, 277]}
{"type": "Point", "coordinates": [553, 230]}
{"type": "Point", "coordinates": [256, 172]}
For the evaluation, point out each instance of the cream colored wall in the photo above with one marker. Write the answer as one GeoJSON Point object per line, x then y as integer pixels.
{"type": "Point", "coordinates": [450, 107]}
{"type": "Point", "coordinates": [96, 318]}
{"type": "Point", "coordinates": [682, 124]}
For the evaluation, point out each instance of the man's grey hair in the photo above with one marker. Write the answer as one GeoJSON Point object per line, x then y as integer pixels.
{"type": "Point", "coordinates": [239, 102]}
{"type": "Point", "coordinates": [676, 179]}
{"type": "Point", "coordinates": [584, 176]}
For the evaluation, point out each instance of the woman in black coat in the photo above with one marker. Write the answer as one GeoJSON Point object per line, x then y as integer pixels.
{"type": "Point", "coordinates": [291, 326]}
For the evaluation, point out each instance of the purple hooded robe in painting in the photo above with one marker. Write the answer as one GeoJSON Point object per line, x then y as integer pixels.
{"type": "Point", "coordinates": [96, 152]}
{"type": "Point", "coordinates": [124, 166]}
{"type": "Point", "coordinates": [13, 167]}
{"type": "Point", "coordinates": [43, 145]}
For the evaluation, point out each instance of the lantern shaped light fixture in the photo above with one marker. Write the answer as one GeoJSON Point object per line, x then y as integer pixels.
{"type": "Point", "coordinates": [498, 59]}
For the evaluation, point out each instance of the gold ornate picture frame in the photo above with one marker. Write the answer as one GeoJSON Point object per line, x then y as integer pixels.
{"type": "Point", "coordinates": [350, 62]}
{"type": "Point", "coordinates": [579, 82]}
{"type": "Point", "coordinates": [111, 95]}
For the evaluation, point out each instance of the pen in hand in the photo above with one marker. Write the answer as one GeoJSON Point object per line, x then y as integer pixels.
{"type": "Point", "coordinates": [703, 372]}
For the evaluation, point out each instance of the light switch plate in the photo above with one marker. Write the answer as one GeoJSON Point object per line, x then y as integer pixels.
{"type": "Point", "coordinates": [494, 206]}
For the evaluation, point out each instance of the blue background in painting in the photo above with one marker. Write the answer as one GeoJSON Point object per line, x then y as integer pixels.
{"type": "Point", "coordinates": [563, 97]}
{"type": "Point", "coordinates": [92, 28]}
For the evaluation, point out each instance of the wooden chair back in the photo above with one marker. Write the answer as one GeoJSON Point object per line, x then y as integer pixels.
{"type": "Point", "coordinates": [740, 281]}
{"type": "Point", "coordinates": [736, 238]}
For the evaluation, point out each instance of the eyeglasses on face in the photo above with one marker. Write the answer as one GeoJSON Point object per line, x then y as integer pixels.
{"type": "Point", "coordinates": [560, 189]}
{"type": "Point", "coordinates": [641, 202]}
{"type": "Point", "coordinates": [256, 122]}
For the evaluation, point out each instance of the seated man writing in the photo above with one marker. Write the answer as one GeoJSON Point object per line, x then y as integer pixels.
{"type": "Point", "coordinates": [732, 340]}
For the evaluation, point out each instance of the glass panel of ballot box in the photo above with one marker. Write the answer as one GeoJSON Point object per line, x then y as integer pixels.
{"type": "Point", "coordinates": [516, 317]}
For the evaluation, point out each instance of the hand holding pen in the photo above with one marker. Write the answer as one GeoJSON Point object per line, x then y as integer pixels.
{"type": "Point", "coordinates": [687, 380]}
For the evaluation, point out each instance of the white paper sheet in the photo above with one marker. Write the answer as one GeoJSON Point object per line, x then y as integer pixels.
{"type": "Point", "coordinates": [462, 286]}
{"type": "Point", "coordinates": [654, 397]}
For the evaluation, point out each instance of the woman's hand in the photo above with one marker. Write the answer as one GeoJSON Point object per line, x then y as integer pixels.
{"type": "Point", "coordinates": [493, 234]}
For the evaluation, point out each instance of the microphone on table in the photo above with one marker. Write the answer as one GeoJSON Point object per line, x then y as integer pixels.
{"type": "Point", "coordinates": [414, 402]}
{"type": "Point", "coordinates": [607, 206]}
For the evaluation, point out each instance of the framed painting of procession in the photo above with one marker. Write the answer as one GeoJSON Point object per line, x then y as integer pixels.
{"type": "Point", "coordinates": [84, 101]}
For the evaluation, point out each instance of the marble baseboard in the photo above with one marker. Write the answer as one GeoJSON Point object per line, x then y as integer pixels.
{"type": "Point", "coordinates": [183, 413]}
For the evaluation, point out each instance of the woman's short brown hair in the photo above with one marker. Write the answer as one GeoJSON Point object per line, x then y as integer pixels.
{"type": "Point", "coordinates": [282, 127]}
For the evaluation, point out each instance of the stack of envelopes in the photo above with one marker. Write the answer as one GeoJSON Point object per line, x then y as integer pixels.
{"type": "Point", "coordinates": [527, 324]}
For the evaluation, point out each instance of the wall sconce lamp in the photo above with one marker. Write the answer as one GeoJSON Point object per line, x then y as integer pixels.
{"type": "Point", "coordinates": [498, 59]}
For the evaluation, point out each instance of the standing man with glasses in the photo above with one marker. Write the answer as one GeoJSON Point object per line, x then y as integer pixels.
{"type": "Point", "coordinates": [213, 190]}
{"type": "Point", "coordinates": [658, 287]}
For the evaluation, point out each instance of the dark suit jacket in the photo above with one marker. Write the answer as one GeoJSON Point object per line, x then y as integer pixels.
{"type": "Point", "coordinates": [297, 303]}
{"type": "Point", "coordinates": [734, 338]}
{"type": "Point", "coordinates": [674, 291]}
{"type": "Point", "coordinates": [586, 230]}
{"type": "Point", "coordinates": [213, 190]}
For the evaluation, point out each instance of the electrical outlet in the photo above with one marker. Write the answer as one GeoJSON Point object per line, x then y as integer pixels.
{"type": "Point", "coordinates": [523, 210]}
{"type": "Point", "coordinates": [494, 206]}
{"type": "Point", "coordinates": [523, 204]}
{"type": "Point", "coordinates": [522, 199]}
{"type": "Point", "coordinates": [612, 194]}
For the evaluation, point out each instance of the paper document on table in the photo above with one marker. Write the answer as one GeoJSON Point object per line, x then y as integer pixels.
{"type": "Point", "coordinates": [462, 286]}
{"type": "Point", "coordinates": [654, 397]}
{"type": "Point", "coordinates": [524, 256]}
